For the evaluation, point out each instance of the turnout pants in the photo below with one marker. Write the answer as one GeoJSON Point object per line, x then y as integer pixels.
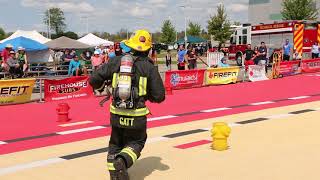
{"type": "Point", "coordinates": [126, 143]}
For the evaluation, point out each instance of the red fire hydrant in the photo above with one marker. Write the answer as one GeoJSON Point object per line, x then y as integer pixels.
{"type": "Point", "coordinates": [63, 112]}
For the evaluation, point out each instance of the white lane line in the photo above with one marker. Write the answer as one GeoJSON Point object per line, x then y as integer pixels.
{"type": "Point", "coordinates": [156, 139]}
{"type": "Point", "coordinates": [215, 110]}
{"type": "Point", "coordinates": [80, 130]}
{"type": "Point", "coordinates": [206, 129]}
{"type": "Point", "coordinates": [261, 103]}
{"type": "Point", "coordinates": [234, 124]}
{"type": "Point", "coordinates": [1, 143]}
{"type": "Point", "coordinates": [299, 97]}
{"type": "Point", "coordinates": [35, 164]}
{"type": "Point", "coordinates": [278, 116]}
{"type": "Point", "coordinates": [161, 118]}
{"type": "Point", "coordinates": [75, 124]}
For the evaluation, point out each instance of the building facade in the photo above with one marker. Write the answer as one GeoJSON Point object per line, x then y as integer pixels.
{"type": "Point", "coordinates": [267, 11]}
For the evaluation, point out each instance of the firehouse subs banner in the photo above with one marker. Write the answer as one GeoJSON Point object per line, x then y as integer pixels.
{"type": "Point", "coordinates": [16, 91]}
{"type": "Point", "coordinates": [289, 68]}
{"type": "Point", "coordinates": [184, 79]}
{"type": "Point", "coordinates": [222, 75]}
{"type": "Point", "coordinates": [257, 73]}
{"type": "Point", "coordinates": [312, 65]}
{"type": "Point", "coordinates": [69, 88]}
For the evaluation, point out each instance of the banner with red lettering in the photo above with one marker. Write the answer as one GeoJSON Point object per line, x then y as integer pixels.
{"type": "Point", "coordinates": [289, 68]}
{"type": "Point", "coordinates": [312, 65]}
{"type": "Point", "coordinates": [184, 79]}
{"type": "Point", "coordinates": [69, 88]}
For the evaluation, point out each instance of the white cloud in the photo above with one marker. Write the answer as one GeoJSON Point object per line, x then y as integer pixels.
{"type": "Point", "coordinates": [72, 6]}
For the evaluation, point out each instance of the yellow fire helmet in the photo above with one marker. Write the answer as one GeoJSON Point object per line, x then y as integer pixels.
{"type": "Point", "coordinates": [140, 41]}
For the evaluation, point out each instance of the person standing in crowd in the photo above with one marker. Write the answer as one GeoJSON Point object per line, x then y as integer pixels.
{"type": "Point", "coordinates": [117, 49]}
{"type": "Point", "coordinates": [192, 59]}
{"type": "Point", "coordinates": [223, 63]}
{"type": "Point", "coordinates": [181, 58]}
{"type": "Point", "coordinates": [14, 65]}
{"type": "Point", "coordinates": [96, 60]}
{"type": "Point", "coordinates": [22, 60]}
{"type": "Point", "coordinates": [315, 50]}
{"type": "Point", "coordinates": [75, 68]}
{"type": "Point", "coordinates": [248, 56]}
{"type": "Point", "coordinates": [262, 56]}
{"type": "Point", "coordinates": [153, 55]}
{"type": "Point", "coordinates": [129, 122]}
{"type": "Point", "coordinates": [168, 60]}
{"type": "Point", "coordinates": [5, 55]}
{"type": "Point", "coordinates": [287, 50]}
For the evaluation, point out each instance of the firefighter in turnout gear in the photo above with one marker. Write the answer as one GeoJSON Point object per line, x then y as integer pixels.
{"type": "Point", "coordinates": [134, 80]}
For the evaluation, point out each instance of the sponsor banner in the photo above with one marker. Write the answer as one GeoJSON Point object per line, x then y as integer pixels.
{"type": "Point", "coordinates": [184, 79]}
{"type": "Point", "coordinates": [312, 65]}
{"type": "Point", "coordinates": [222, 75]}
{"type": "Point", "coordinates": [16, 90]}
{"type": "Point", "coordinates": [289, 68]}
{"type": "Point", "coordinates": [257, 73]}
{"type": "Point", "coordinates": [69, 88]}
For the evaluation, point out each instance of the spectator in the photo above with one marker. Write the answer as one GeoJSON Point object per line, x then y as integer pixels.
{"type": "Point", "coordinates": [98, 49]}
{"type": "Point", "coordinates": [86, 55]}
{"type": "Point", "coordinates": [5, 55]}
{"type": "Point", "coordinates": [67, 57]}
{"type": "Point", "coordinates": [287, 51]}
{"type": "Point", "coordinates": [153, 56]}
{"type": "Point", "coordinates": [248, 56]}
{"type": "Point", "coordinates": [181, 58]}
{"type": "Point", "coordinates": [168, 60]}
{"type": "Point", "coordinates": [14, 65]}
{"type": "Point", "coordinates": [223, 63]}
{"type": "Point", "coordinates": [96, 60]}
{"type": "Point", "coordinates": [75, 68]}
{"type": "Point", "coordinates": [192, 59]}
{"type": "Point", "coordinates": [262, 55]}
{"type": "Point", "coordinates": [117, 49]}
{"type": "Point", "coordinates": [22, 60]}
{"type": "Point", "coordinates": [315, 50]}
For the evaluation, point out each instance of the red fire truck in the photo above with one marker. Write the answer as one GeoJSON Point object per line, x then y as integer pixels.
{"type": "Point", "coordinates": [301, 34]}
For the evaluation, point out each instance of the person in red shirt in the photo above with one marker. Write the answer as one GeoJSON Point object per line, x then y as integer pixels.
{"type": "Point", "coordinates": [5, 55]}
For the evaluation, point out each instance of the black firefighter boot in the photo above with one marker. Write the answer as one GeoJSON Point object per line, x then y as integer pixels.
{"type": "Point", "coordinates": [114, 175]}
{"type": "Point", "coordinates": [121, 169]}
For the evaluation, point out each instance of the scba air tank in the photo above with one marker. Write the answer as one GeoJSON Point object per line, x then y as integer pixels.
{"type": "Point", "coordinates": [124, 82]}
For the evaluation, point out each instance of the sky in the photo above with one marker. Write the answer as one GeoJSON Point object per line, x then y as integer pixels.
{"type": "Point", "coordinates": [112, 15]}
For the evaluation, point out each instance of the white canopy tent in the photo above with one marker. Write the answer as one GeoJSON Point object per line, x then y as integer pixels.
{"type": "Point", "coordinates": [94, 40]}
{"type": "Point", "coordinates": [34, 35]}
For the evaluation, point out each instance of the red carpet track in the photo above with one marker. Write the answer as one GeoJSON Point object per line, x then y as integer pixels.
{"type": "Point", "coordinates": [37, 119]}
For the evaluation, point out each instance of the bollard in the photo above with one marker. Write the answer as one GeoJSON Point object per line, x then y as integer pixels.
{"type": "Point", "coordinates": [63, 112]}
{"type": "Point", "coordinates": [220, 133]}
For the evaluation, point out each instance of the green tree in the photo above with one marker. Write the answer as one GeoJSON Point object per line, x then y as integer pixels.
{"type": "Point", "coordinates": [194, 29]}
{"type": "Point", "coordinates": [57, 20]}
{"type": "Point", "coordinates": [71, 35]}
{"type": "Point", "coordinates": [2, 34]}
{"type": "Point", "coordinates": [168, 32]}
{"type": "Point", "coordinates": [299, 10]}
{"type": "Point", "coordinates": [204, 34]}
{"type": "Point", "coordinates": [219, 26]}
{"type": "Point", "coordinates": [236, 23]}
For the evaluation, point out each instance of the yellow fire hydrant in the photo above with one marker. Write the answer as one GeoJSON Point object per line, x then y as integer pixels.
{"type": "Point", "coordinates": [220, 133]}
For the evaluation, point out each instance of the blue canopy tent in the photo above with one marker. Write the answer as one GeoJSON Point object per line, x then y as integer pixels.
{"type": "Point", "coordinates": [28, 44]}
{"type": "Point", "coordinates": [191, 39]}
